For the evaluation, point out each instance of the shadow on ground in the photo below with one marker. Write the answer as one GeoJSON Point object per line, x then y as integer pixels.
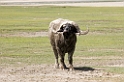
{"type": "Point", "coordinates": [84, 68]}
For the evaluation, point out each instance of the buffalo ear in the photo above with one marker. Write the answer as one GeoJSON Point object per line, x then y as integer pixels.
{"type": "Point", "coordinates": [61, 29]}
{"type": "Point", "coordinates": [74, 29]}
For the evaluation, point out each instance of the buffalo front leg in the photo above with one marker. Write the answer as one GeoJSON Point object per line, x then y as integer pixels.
{"type": "Point", "coordinates": [61, 55]}
{"type": "Point", "coordinates": [56, 58]}
{"type": "Point", "coordinates": [70, 59]}
{"type": "Point", "coordinates": [63, 66]}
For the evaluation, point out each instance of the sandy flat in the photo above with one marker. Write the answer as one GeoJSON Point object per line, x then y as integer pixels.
{"type": "Point", "coordinates": [59, 3]}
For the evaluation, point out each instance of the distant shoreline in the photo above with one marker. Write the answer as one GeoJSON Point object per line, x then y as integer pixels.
{"type": "Point", "coordinates": [61, 3]}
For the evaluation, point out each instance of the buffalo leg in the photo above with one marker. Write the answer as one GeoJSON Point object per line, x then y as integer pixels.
{"type": "Point", "coordinates": [70, 59]}
{"type": "Point", "coordinates": [63, 66]}
{"type": "Point", "coordinates": [61, 55]}
{"type": "Point", "coordinates": [56, 58]}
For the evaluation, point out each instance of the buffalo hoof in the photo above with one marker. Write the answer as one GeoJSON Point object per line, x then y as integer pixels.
{"type": "Point", "coordinates": [71, 68]}
{"type": "Point", "coordinates": [63, 67]}
{"type": "Point", "coordinates": [56, 66]}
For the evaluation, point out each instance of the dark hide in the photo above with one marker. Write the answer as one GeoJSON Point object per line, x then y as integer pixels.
{"type": "Point", "coordinates": [67, 30]}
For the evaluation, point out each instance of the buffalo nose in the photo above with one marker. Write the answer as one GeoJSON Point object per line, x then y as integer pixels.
{"type": "Point", "coordinates": [66, 29]}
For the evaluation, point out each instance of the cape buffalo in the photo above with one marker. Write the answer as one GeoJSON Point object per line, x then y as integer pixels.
{"type": "Point", "coordinates": [62, 34]}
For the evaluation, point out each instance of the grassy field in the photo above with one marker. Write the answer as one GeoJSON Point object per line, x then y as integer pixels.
{"type": "Point", "coordinates": [102, 48]}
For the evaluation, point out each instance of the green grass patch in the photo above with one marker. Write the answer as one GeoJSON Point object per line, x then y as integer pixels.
{"type": "Point", "coordinates": [119, 70]}
{"type": "Point", "coordinates": [30, 50]}
{"type": "Point", "coordinates": [38, 18]}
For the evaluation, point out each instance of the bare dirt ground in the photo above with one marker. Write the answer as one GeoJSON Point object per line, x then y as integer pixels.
{"type": "Point", "coordinates": [26, 34]}
{"type": "Point", "coordinates": [46, 73]}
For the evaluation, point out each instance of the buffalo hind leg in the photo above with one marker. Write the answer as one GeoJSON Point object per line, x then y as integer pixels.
{"type": "Point", "coordinates": [56, 58]}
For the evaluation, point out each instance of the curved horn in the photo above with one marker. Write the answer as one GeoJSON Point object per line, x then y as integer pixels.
{"type": "Point", "coordinates": [83, 32]}
{"type": "Point", "coordinates": [54, 31]}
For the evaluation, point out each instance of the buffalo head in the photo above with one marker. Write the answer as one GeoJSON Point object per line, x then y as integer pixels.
{"type": "Point", "coordinates": [70, 27]}
{"type": "Point", "coordinates": [67, 30]}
